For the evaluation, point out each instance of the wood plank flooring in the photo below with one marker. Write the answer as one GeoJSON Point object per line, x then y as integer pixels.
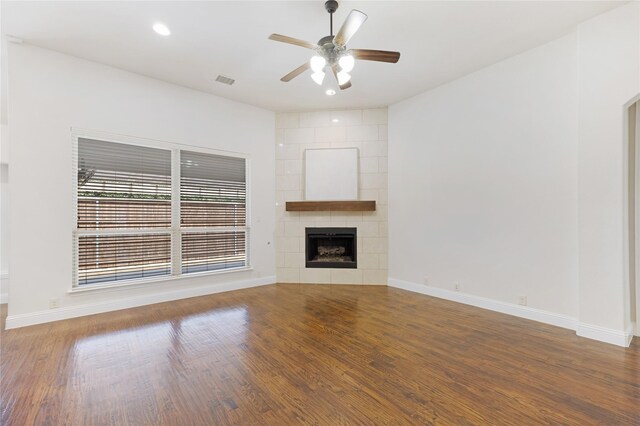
{"type": "Point", "coordinates": [313, 355]}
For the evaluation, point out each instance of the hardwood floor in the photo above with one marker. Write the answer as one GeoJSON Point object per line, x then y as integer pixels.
{"type": "Point", "coordinates": [305, 354]}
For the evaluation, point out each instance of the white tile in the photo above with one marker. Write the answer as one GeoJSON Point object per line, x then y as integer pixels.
{"type": "Point", "coordinates": [368, 261]}
{"type": "Point", "coordinates": [374, 245]}
{"type": "Point", "coordinates": [280, 259]}
{"type": "Point", "coordinates": [288, 245]}
{"type": "Point", "coordinates": [368, 229]}
{"type": "Point", "coordinates": [383, 180]}
{"type": "Point", "coordinates": [290, 216]}
{"type": "Point", "coordinates": [382, 164]}
{"type": "Point", "coordinates": [287, 120]}
{"type": "Point", "coordinates": [374, 116]}
{"type": "Point", "coordinates": [370, 149]}
{"type": "Point", "coordinates": [368, 181]}
{"type": "Point", "coordinates": [294, 260]}
{"type": "Point", "coordinates": [292, 167]}
{"type": "Point", "coordinates": [368, 194]}
{"type": "Point", "coordinates": [371, 216]}
{"type": "Point", "coordinates": [383, 260]}
{"type": "Point", "coordinates": [362, 133]}
{"type": "Point", "coordinates": [383, 229]}
{"type": "Point", "coordinates": [299, 136]}
{"type": "Point", "coordinates": [347, 144]}
{"type": "Point", "coordinates": [354, 222]}
{"type": "Point", "coordinates": [279, 136]}
{"type": "Point", "coordinates": [288, 152]}
{"type": "Point", "coordinates": [343, 216]}
{"type": "Point", "coordinates": [279, 167]}
{"type": "Point", "coordinates": [288, 275]}
{"type": "Point", "coordinates": [315, 275]}
{"type": "Point", "coordinates": [346, 117]}
{"type": "Point", "coordinates": [279, 230]}
{"type": "Point", "coordinates": [289, 182]}
{"type": "Point", "coordinates": [383, 197]}
{"type": "Point", "coordinates": [338, 222]}
{"type": "Point", "coordinates": [292, 195]}
{"type": "Point", "coordinates": [369, 165]}
{"type": "Point", "coordinates": [315, 216]}
{"type": "Point", "coordinates": [323, 145]}
{"type": "Point", "coordinates": [374, 277]}
{"type": "Point", "coordinates": [293, 229]}
{"type": "Point", "coordinates": [382, 212]}
{"type": "Point", "coordinates": [382, 148]}
{"type": "Point", "coordinates": [330, 134]}
{"type": "Point", "coordinates": [316, 119]}
{"type": "Point", "coordinates": [383, 133]}
{"type": "Point", "coordinates": [346, 276]}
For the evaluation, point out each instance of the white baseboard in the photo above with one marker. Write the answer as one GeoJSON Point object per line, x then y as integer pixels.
{"type": "Point", "coordinates": [23, 320]}
{"type": "Point", "coordinates": [601, 334]}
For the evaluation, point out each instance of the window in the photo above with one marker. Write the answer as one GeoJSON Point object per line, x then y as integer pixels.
{"type": "Point", "coordinates": [212, 212]}
{"type": "Point", "coordinates": [156, 211]}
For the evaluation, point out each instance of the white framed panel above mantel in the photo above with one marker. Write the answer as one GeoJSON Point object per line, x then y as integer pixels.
{"type": "Point", "coordinates": [331, 174]}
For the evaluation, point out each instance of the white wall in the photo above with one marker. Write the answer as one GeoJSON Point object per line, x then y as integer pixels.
{"type": "Point", "coordinates": [513, 181]}
{"type": "Point", "coordinates": [483, 182]}
{"type": "Point", "coordinates": [362, 129]}
{"type": "Point", "coordinates": [4, 232]}
{"type": "Point", "coordinates": [609, 76]}
{"type": "Point", "coordinates": [48, 94]}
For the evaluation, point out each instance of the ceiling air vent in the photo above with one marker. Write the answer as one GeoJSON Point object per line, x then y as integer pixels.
{"type": "Point", "coordinates": [225, 80]}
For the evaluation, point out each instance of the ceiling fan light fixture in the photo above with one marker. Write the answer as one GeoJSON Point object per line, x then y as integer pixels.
{"type": "Point", "coordinates": [330, 92]}
{"type": "Point", "coordinates": [317, 63]}
{"type": "Point", "coordinates": [343, 77]}
{"type": "Point", "coordinates": [318, 77]}
{"type": "Point", "coordinates": [346, 63]}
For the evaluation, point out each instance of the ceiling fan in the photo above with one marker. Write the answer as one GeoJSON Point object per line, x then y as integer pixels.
{"type": "Point", "coordinates": [331, 51]}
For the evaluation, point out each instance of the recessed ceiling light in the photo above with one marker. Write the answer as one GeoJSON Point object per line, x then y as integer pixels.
{"type": "Point", "coordinates": [335, 120]}
{"type": "Point", "coordinates": [161, 29]}
{"type": "Point", "coordinates": [330, 92]}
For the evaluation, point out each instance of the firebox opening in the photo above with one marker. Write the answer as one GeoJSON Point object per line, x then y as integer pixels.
{"type": "Point", "coordinates": [331, 247]}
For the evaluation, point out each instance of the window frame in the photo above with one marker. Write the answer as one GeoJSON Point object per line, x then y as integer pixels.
{"type": "Point", "coordinates": [175, 231]}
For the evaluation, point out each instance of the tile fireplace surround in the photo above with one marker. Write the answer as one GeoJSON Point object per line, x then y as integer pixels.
{"type": "Point", "coordinates": [296, 132]}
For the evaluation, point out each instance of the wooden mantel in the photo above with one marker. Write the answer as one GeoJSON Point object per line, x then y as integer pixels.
{"type": "Point", "coordinates": [317, 206]}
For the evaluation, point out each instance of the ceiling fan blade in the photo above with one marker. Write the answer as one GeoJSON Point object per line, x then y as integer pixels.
{"type": "Point", "coordinates": [291, 40]}
{"type": "Point", "coordinates": [349, 28]}
{"type": "Point", "coordinates": [345, 86]}
{"type": "Point", "coordinates": [293, 74]}
{"type": "Point", "coordinates": [375, 55]}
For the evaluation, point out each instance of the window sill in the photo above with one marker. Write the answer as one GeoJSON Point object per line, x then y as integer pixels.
{"type": "Point", "coordinates": [144, 282]}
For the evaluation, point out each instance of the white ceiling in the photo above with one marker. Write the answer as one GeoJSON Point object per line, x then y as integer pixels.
{"type": "Point", "coordinates": [439, 42]}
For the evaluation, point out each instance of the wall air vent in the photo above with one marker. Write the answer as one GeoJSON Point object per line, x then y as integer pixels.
{"type": "Point", "coordinates": [225, 80]}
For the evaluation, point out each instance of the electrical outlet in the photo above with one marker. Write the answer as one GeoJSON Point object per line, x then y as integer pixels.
{"type": "Point", "coordinates": [54, 303]}
{"type": "Point", "coordinates": [522, 300]}
{"type": "Point", "coordinates": [456, 286]}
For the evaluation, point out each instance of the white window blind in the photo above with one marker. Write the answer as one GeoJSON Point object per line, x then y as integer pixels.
{"type": "Point", "coordinates": [124, 212]}
{"type": "Point", "coordinates": [213, 212]}
{"type": "Point", "coordinates": [125, 209]}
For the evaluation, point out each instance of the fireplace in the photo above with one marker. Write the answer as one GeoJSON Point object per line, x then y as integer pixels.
{"type": "Point", "coordinates": [331, 248]}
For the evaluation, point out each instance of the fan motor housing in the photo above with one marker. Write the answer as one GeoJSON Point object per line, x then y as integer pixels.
{"type": "Point", "coordinates": [331, 6]}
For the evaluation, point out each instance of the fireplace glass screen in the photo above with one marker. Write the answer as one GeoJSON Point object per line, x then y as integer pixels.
{"type": "Point", "coordinates": [331, 247]}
